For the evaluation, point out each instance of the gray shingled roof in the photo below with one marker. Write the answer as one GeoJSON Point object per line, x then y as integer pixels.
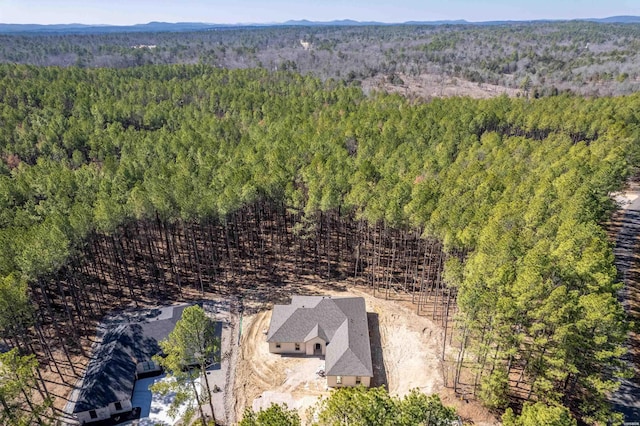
{"type": "Point", "coordinates": [341, 322]}
{"type": "Point", "coordinates": [111, 373]}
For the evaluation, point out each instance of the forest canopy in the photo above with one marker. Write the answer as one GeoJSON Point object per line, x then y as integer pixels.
{"type": "Point", "coordinates": [521, 186]}
{"type": "Point", "coordinates": [541, 58]}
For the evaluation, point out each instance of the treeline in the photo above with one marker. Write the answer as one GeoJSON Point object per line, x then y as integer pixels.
{"type": "Point", "coordinates": [361, 406]}
{"type": "Point", "coordinates": [134, 183]}
{"type": "Point", "coordinates": [542, 59]}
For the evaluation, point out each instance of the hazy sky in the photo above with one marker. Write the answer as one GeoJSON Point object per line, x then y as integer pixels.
{"type": "Point", "coordinates": [256, 11]}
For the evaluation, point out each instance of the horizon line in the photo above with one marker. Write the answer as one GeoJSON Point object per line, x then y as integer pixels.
{"type": "Point", "coordinates": [320, 22]}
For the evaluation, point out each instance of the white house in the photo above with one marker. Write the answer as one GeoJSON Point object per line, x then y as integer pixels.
{"type": "Point", "coordinates": [335, 328]}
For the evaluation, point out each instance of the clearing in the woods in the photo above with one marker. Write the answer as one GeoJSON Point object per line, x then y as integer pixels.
{"type": "Point", "coordinates": [429, 86]}
{"type": "Point", "coordinates": [406, 351]}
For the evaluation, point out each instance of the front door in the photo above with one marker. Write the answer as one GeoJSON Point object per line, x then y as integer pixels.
{"type": "Point", "coordinates": [318, 349]}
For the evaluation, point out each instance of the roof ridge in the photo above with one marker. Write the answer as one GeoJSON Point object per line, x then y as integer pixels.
{"type": "Point", "coordinates": [322, 301]}
{"type": "Point", "coordinates": [348, 348]}
{"type": "Point", "coordinates": [359, 359]}
{"type": "Point", "coordinates": [346, 321]}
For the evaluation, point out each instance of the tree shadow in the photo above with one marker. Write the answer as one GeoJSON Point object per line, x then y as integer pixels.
{"type": "Point", "coordinates": [377, 356]}
{"type": "Point", "coordinates": [626, 399]}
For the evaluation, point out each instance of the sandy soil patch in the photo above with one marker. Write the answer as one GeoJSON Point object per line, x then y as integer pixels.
{"type": "Point", "coordinates": [628, 195]}
{"type": "Point", "coordinates": [409, 344]}
{"type": "Point", "coordinates": [624, 199]}
{"type": "Point", "coordinates": [263, 378]}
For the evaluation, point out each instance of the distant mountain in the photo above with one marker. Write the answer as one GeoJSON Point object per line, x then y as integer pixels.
{"type": "Point", "coordinates": [25, 28]}
{"type": "Point", "coordinates": [454, 22]}
{"type": "Point", "coordinates": [81, 28]}
{"type": "Point", "coordinates": [340, 22]}
{"type": "Point", "coordinates": [616, 20]}
{"type": "Point", "coordinates": [200, 26]}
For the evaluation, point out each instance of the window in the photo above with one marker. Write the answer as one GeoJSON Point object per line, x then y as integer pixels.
{"type": "Point", "coordinates": [118, 406]}
{"type": "Point", "coordinates": [297, 346]}
{"type": "Point", "coordinates": [93, 414]}
{"type": "Point", "coordinates": [358, 380]}
{"type": "Point", "coordinates": [277, 345]}
{"type": "Point", "coordinates": [338, 380]}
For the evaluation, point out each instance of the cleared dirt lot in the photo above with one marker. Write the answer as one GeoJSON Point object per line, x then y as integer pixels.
{"type": "Point", "coordinates": [405, 351]}
{"type": "Point", "coordinates": [263, 378]}
{"type": "Point", "coordinates": [430, 86]}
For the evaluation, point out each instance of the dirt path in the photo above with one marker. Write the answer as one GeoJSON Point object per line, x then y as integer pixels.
{"type": "Point", "coordinates": [252, 379]}
{"type": "Point", "coordinates": [627, 399]}
{"type": "Point", "coordinates": [232, 358]}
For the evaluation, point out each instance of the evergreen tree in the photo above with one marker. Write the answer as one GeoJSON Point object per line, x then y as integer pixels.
{"type": "Point", "coordinates": [17, 384]}
{"type": "Point", "coordinates": [275, 415]}
{"type": "Point", "coordinates": [187, 352]}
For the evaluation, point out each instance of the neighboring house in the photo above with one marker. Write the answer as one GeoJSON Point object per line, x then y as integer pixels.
{"type": "Point", "coordinates": [320, 325]}
{"type": "Point", "coordinates": [123, 355]}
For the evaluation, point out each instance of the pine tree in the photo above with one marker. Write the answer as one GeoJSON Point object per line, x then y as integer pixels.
{"type": "Point", "coordinates": [17, 383]}
{"type": "Point", "coordinates": [275, 415]}
{"type": "Point", "coordinates": [188, 350]}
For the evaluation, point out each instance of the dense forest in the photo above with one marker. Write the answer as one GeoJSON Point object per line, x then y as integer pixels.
{"type": "Point", "coordinates": [142, 183]}
{"type": "Point", "coordinates": [541, 58]}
